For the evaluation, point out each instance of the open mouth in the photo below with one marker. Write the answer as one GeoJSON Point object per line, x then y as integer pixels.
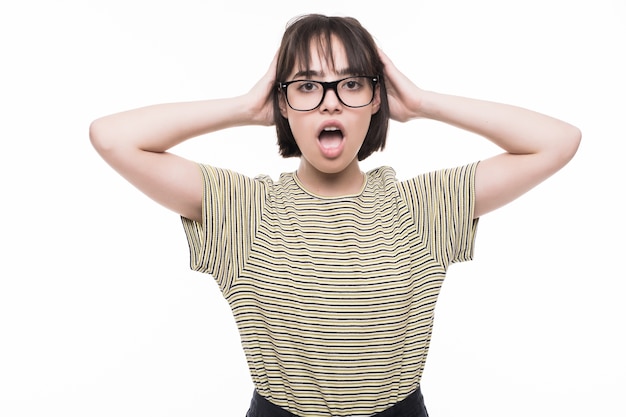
{"type": "Point", "coordinates": [330, 138]}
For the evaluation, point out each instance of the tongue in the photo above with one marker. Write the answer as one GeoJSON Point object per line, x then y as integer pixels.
{"type": "Point", "coordinates": [331, 140]}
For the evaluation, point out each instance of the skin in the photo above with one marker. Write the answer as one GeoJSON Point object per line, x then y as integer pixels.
{"type": "Point", "coordinates": [136, 142]}
{"type": "Point", "coordinates": [335, 172]}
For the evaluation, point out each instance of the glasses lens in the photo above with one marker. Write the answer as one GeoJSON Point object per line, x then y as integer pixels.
{"type": "Point", "coordinates": [356, 91]}
{"type": "Point", "coordinates": [353, 92]}
{"type": "Point", "coordinates": [304, 95]}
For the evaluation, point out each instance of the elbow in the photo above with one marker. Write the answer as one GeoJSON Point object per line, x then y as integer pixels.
{"type": "Point", "coordinates": [98, 136]}
{"type": "Point", "coordinates": [570, 143]}
{"type": "Point", "coordinates": [95, 134]}
{"type": "Point", "coordinates": [560, 151]}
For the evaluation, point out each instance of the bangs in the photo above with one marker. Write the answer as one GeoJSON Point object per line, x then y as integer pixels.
{"type": "Point", "coordinates": [311, 36]}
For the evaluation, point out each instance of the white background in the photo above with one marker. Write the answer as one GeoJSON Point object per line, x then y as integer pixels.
{"type": "Point", "coordinates": [99, 312]}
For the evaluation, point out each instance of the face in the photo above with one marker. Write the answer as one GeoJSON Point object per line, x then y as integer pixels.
{"type": "Point", "coordinates": [329, 136]}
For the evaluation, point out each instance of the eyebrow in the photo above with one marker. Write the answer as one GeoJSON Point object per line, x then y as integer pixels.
{"type": "Point", "coordinates": [314, 73]}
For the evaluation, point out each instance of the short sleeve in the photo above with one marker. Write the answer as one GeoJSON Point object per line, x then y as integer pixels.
{"type": "Point", "coordinates": [442, 205]}
{"type": "Point", "coordinates": [231, 210]}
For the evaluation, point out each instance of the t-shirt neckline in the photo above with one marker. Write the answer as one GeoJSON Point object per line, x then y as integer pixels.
{"type": "Point", "coordinates": [300, 185]}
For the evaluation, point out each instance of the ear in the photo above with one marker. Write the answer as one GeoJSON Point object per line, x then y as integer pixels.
{"type": "Point", "coordinates": [282, 104]}
{"type": "Point", "coordinates": [376, 101]}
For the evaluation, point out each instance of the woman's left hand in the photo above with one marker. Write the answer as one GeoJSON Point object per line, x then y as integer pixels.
{"type": "Point", "coordinates": [405, 98]}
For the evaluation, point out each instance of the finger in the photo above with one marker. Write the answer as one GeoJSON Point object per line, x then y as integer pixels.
{"type": "Point", "coordinates": [384, 58]}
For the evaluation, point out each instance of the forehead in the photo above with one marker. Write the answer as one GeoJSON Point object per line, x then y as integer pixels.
{"type": "Point", "coordinates": [322, 58]}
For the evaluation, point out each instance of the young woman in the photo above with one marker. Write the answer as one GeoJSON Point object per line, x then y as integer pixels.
{"type": "Point", "coordinates": [332, 274]}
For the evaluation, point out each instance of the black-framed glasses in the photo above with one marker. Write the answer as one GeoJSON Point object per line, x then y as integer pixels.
{"type": "Point", "coordinates": [305, 95]}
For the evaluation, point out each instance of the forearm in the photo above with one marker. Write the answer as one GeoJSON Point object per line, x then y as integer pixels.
{"type": "Point", "coordinates": [160, 127]}
{"type": "Point", "coordinates": [536, 146]}
{"type": "Point", "coordinates": [514, 129]}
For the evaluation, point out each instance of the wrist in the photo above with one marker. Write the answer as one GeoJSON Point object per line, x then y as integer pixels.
{"type": "Point", "coordinates": [426, 105]}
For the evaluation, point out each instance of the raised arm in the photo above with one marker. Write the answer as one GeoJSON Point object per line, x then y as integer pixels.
{"type": "Point", "coordinates": [135, 142]}
{"type": "Point", "coordinates": [536, 146]}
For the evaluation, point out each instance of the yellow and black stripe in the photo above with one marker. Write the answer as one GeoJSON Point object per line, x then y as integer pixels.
{"type": "Point", "coordinates": [334, 297]}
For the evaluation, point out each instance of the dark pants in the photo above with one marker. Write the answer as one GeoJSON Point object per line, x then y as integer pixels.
{"type": "Point", "coordinates": [411, 406]}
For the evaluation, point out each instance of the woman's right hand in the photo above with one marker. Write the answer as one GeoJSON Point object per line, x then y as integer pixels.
{"type": "Point", "coordinates": [260, 96]}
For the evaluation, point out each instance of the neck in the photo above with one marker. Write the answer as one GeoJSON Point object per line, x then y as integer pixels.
{"type": "Point", "coordinates": [346, 182]}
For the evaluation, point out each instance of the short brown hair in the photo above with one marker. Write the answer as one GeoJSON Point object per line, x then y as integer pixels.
{"type": "Point", "coordinates": [362, 55]}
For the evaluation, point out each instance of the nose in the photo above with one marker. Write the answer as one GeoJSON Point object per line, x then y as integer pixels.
{"type": "Point", "coordinates": [330, 101]}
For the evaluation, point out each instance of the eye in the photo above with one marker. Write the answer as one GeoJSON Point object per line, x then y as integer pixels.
{"type": "Point", "coordinates": [307, 86]}
{"type": "Point", "coordinates": [351, 84]}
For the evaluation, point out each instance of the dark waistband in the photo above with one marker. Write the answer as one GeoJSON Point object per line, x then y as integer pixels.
{"type": "Point", "coordinates": [411, 406]}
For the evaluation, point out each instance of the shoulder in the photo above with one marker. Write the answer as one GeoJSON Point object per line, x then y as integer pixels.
{"type": "Point", "coordinates": [382, 176]}
{"type": "Point", "coordinates": [231, 188]}
{"type": "Point", "coordinates": [454, 177]}
{"type": "Point", "coordinates": [386, 175]}
{"type": "Point", "coordinates": [226, 177]}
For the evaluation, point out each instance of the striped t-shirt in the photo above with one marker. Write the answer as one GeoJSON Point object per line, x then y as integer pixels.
{"type": "Point", "coordinates": [333, 296]}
